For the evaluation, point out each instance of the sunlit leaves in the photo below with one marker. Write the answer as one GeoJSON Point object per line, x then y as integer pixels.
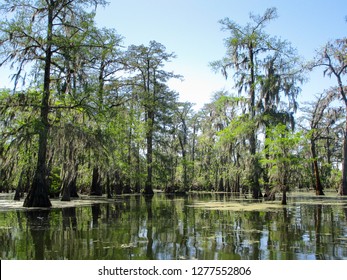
{"type": "Point", "coordinates": [281, 154]}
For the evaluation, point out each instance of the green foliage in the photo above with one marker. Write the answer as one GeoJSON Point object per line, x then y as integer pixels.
{"type": "Point", "coordinates": [112, 109]}
{"type": "Point", "coordinates": [334, 181]}
{"type": "Point", "coordinates": [240, 127]}
{"type": "Point", "coordinates": [55, 182]}
{"type": "Point", "coordinates": [281, 157]}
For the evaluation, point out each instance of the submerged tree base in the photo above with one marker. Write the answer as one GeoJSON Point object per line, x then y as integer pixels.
{"type": "Point", "coordinates": [37, 201]}
{"type": "Point", "coordinates": [342, 190]}
{"type": "Point", "coordinates": [37, 195]}
{"type": "Point", "coordinates": [319, 192]}
{"type": "Point", "coordinates": [148, 190]}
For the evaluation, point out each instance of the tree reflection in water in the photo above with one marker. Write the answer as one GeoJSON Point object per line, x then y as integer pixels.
{"type": "Point", "coordinates": [164, 227]}
{"type": "Point", "coordinates": [149, 227]}
{"type": "Point", "coordinates": [38, 224]}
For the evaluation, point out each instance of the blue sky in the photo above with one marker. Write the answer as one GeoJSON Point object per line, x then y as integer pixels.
{"type": "Point", "coordinates": [190, 29]}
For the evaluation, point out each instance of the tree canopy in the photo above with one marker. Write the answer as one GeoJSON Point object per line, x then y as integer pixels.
{"type": "Point", "coordinates": [88, 115]}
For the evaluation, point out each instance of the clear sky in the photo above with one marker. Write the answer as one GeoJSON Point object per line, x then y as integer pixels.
{"type": "Point", "coordinates": [190, 29]}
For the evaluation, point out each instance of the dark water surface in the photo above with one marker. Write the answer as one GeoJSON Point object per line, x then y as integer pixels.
{"type": "Point", "coordinates": [204, 226]}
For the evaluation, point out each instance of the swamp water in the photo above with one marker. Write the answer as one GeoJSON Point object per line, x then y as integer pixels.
{"type": "Point", "coordinates": [197, 226]}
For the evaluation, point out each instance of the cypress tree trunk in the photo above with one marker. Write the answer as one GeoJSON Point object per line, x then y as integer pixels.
{"type": "Point", "coordinates": [127, 186]}
{"type": "Point", "coordinates": [108, 186]}
{"type": "Point", "coordinates": [65, 188]}
{"type": "Point", "coordinates": [254, 176]}
{"type": "Point", "coordinates": [138, 171]}
{"type": "Point", "coordinates": [96, 184]}
{"type": "Point", "coordinates": [69, 168]}
{"type": "Point", "coordinates": [19, 188]}
{"type": "Point", "coordinates": [38, 193]}
{"type": "Point", "coordinates": [149, 139]}
{"type": "Point", "coordinates": [284, 187]}
{"type": "Point", "coordinates": [73, 183]}
{"type": "Point", "coordinates": [266, 173]}
{"type": "Point", "coordinates": [284, 196]}
{"type": "Point", "coordinates": [118, 184]}
{"type": "Point", "coordinates": [221, 185]}
{"type": "Point", "coordinates": [343, 186]}
{"type": "Point", "coordinates": [318, 184]}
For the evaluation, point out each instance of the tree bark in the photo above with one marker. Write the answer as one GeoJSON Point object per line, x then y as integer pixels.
{"type": "Point", "coordinates": [38, 193]}
{"type": "Point", "coordinates": [73, 183]}
{"type": "Point", "coordinates": [343, 186]}
{"type": "Point", "coordinates": [108, 186]}
{"type": "Point", "coordinates": [138, 171]}
{"type": "Point", "coordinates": [183, 143]}
{"type": "Point", "coordinates": [318, 184]}
{"type": "Point", "coordinates": [284, 196]}
{"type": "Point", "coordinates": [266, 177]}
{"type": "Point", "coordinates": [127, 186]}
{"type": "Point", "coordinates": [254, 176]}
{"type": "Point", "coordinates": [96, 184]}
{"type": "Point", "coordinates": [149, 140]}
{"type": "Point", "coordinates": [70, 173]}
{"type": "Point", "coordinates": [19, 188]}
{"type": "Point", "coordinates": [65, 186]}
{"type": "Point", "coordinates": [118, 184]}
{"type": "Point", "coordinates": [221, 185]}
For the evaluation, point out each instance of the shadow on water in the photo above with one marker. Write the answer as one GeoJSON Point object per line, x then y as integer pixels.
{"type": "Point", "coordinates": [206, 226]}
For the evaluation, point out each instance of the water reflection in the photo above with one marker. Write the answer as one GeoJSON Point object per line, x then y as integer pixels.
{"type": "Point", "coordinates": [318, 230]}
{"type": "Point", "coordinates": [149, 227]}
{"type": "Point", "coordinates": [161, 227]}
{"type": "Point", "coordinates": [69, 218]}
{"type": "Point", "coordinates": [96, 214]}
{"type": "Point", "coordinates": [38, 224]}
